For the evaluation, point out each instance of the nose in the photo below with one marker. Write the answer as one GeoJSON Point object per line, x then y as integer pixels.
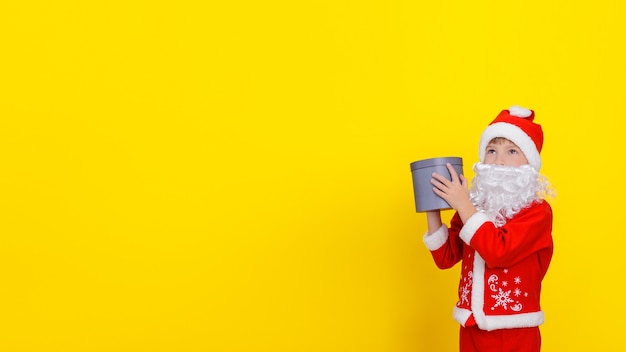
{"type": "Point", "coordinates": [499, 160]}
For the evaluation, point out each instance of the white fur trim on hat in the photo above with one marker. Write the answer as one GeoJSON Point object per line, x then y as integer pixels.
{"type": "Point", "coordinates": [515, 135]}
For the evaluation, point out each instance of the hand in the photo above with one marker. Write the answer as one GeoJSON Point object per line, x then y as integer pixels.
{"type": "Point", "coordinates": [454, 191]}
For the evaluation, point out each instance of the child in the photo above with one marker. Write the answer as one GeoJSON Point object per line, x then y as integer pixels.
{"type": "Point", "coordinates": [502, 233]}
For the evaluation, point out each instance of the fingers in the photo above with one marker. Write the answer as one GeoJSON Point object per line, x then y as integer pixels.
{"type": "Point", "coordinates": [439, 181]}
{"type": "Point", "coordinates": [440, 178]}
{"type": "Point", "coordinates": [443, 184]}
{"type": "Point", "coordinates": [454, 177]}
{"type": "Point", "coordinates": [453, 173]}
{"type": "Point", "coordinates": [463, 180]}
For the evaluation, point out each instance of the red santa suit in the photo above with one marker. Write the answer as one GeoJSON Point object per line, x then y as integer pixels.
{"type": "Point", "coordinates": [502, 267]}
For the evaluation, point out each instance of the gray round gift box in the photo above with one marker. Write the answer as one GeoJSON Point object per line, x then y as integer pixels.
{"type": "Point", "coordinates": [422, 170]}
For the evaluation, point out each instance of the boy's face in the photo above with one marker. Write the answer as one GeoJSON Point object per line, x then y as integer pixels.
{"type": "Point", "coordinates": [504, 152]}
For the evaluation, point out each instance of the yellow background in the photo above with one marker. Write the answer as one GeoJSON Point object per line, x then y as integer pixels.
{"type": "Point", "coordinates": [234, 175]}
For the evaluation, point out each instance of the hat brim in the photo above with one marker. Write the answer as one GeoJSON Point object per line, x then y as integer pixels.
{"type": "Point", "coordinates": [515, 135]}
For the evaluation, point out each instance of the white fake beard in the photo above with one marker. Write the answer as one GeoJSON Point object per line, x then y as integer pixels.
{"type": "Point", "coordinates": [502, 191]}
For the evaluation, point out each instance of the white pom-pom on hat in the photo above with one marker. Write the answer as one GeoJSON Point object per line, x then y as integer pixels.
{"type": "Point", "coordinates": [519, 111]}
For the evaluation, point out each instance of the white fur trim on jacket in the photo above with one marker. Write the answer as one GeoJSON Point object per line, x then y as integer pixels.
{"type": "Point", "coordinates": [437, 239]}
{"type": "Point", "coordinates": [472, 225]}
{"type": "Point", "coordinates": [461, 315]}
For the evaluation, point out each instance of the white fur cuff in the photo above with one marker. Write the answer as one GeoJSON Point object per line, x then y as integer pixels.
{"type": "Point", "coordinates": [472, 225]}
{"type": "Point", "coordinates": [436, 239]}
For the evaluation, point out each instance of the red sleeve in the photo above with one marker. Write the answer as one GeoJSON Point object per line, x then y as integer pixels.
{"type": "Point", "coordinates": [447, 249]}
{"type": "Point", "coordinates": [525, 234]}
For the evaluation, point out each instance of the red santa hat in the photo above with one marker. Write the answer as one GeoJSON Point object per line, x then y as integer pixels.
{"type": "Point", "coordinates": [516, 124]}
